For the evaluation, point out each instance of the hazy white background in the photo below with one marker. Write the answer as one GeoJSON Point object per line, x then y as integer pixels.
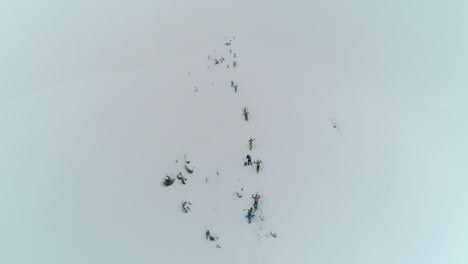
{"type": "Point", "coordinates": [95, 104]}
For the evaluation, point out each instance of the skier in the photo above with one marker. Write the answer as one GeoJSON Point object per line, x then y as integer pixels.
{"type": "Point", "coordinates": [258, 164]}
{"type": "Point", "coordinates": [250, 213]}
{"type": "Point", "coordinates": [246, 114]}
{"type": "Point", "coordinates": [251, 143]}
{"type": "Point", "coordinates": [256, 197]}
{"type": "Point", "coordinates": [232, 83]}
{"type": "Point", "coordinates": [249, 161]}
{"type": "Point", "coordinates": [235, 88]}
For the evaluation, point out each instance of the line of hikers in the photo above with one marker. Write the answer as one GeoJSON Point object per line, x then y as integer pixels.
{"type": "Point", "coordinates": [251, 211]}
{"type": "Point", "coordinates": [256, 197]}
{"type": "Point", "coordinates": [233, 85]}
{"type": "Point", "coordinates": [249, 159]}
{"type": "Point", "coordinates": [249, 162]}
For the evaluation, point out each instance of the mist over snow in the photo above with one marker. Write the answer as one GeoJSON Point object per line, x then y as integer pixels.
{"type": "Point", "coordinates": [358, 111]}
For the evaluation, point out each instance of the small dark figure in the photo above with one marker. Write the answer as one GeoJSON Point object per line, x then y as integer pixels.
{"type": "Point", "coordinates": [249, 160]}
{"type": "Point", "coordinates": [168, 181]}
{"type": "Point", "coordinates": [258, 164]}
{"type": "Point", "coordinates": [246, 114]}
{"type": "Point", "coordinates": [235, 88]}
{"type": "Point", "coordinates": [188, 167]}
{"type": "Point", "coordinates": [186, 207]}
{"type": "Point", "coordinates": [210, 236]}
{"type": "Point", "coordinates": [232, 83]}
{"type": "Point", "coordinates": [181, 178]}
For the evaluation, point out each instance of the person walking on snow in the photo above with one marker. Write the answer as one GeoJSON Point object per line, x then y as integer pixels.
{"type": "Point", "coordinates": [256, 197]}
{"type": "Point", "coordinates": [249, 160]}
{"type": "Point", "coordinates": [250, 213]}
{"type": "Point", "coordinates": [235, 88]}
{"type": "Point", "coordinates": [258, 164]}
{"type": "Point", "coordinates": [232, 83]}
{"type": "Point", "coordinates": [246, 114]}
{"type": "Point", "coordinates": [251, 143]}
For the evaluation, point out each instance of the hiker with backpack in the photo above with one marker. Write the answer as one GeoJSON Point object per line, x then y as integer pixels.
{"type": "Point", "coordinates": [251, 143]}
{"type": "Point", "coordinates": [256, 197]}
{"type": "Point", "coordinates": [249, 160]}
{"type": "Point", "coordinates": [258, 164]}
{"type": "Point", "coordinates": [250, 213]}
{"type": "Point", "coordinates": [246, 114]}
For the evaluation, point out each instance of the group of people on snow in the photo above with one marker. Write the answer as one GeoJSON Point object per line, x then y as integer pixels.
{"type": "Point", "coordinates": [256, 197]}
{"type": "Point", "coordinates": [251, 210]}
{"type": "Point", "coordinates": [249, 162]}
{"type": "Point", "coordinates": [233, 85]}
{"type": "Point", "coordinates": [249, 159]}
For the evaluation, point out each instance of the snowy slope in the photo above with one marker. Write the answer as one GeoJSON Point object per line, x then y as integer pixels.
{"type": "Point", "coordinates": [363, 162]}
{"type": "Point", "coordinates": [107, 149]}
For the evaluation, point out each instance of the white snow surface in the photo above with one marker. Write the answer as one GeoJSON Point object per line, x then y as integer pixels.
{"type": "Point", "coordinates": [363, 147]}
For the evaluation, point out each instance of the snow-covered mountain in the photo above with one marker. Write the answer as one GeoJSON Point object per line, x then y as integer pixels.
{"type": "Point", "coordinates": [355, 108]}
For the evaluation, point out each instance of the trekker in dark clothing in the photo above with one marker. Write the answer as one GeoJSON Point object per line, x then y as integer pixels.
{"type": "Point", "coordinates": [246, 114]}
{"type": "Point", "coordinates": [249, 160]}
{"type": "Point", "coordinates": [258, 164]}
